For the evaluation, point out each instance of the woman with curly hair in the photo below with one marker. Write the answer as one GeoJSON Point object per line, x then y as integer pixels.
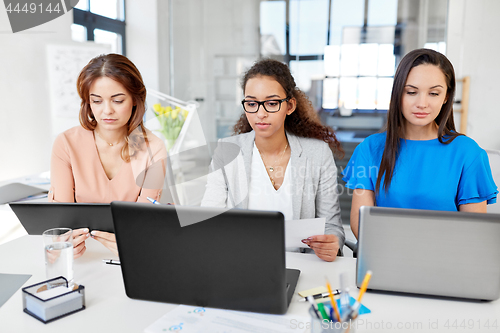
{"type": "Point", "coordinates": [281, 158]}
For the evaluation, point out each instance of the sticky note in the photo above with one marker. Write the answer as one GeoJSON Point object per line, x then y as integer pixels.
{"type": "Point", "coordinates": [313, 291]}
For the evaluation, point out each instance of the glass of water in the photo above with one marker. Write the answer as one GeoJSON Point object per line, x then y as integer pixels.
{"type": "Point", "coordinates": [58, 248]}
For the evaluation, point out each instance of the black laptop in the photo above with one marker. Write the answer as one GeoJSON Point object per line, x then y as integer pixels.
{"type": "Point", "coordinates": [232, 259]}
{"type": "Point", "coordinates": [36, 217]}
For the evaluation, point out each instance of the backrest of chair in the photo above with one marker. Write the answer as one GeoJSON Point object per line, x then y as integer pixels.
{"type": "Point", "coordinates": [494, 157]}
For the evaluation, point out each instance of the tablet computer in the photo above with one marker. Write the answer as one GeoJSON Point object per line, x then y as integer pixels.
{"type": "Point", "coordinates": [18, 191]}
{"type": "Point", "coordinates": [36, 217]}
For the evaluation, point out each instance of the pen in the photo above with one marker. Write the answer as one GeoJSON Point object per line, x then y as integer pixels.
{"type": "Point", "coordinates": [311, 300]}
{"type": "Point", "coordinates": [156, 202]}
{"type": "Point", "coordinates": [353, 314]}
{"type": "Point", "coordinates": [332, 300]}
{"type": "Point", "coordinates": [153, 201]}
{"type": "Point", "coordinates": [111, 261]}
{"type": "Point", "coordinates": [322, 295]}
{"type": "Point", "coordinates": [321, 308]}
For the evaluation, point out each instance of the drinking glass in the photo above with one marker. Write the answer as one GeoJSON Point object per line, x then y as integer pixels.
{"type": "Point", "coordinates": [58, 248]}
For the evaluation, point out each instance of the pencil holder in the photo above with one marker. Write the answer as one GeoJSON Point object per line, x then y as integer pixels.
{"type": "Point", "coordinates": [327, 326]}
{"type": "Point", "coordinates": [52, 299]}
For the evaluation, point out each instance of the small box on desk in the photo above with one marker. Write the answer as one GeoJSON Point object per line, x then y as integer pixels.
{"type": "Point", "coordinates": [52, 299]}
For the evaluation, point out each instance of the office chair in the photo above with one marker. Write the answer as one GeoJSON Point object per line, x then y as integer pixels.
{"type": "Point", "coordinates": [353, 246]}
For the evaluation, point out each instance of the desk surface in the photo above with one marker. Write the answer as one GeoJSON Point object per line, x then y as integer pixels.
{"type": "Point", "coordinates": [110, 310]}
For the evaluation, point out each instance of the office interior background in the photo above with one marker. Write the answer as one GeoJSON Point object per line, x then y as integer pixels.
{"type": "Point", "coordinates": [342, 53]}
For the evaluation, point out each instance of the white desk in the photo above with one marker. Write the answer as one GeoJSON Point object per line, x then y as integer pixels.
{"type": "Point", "coordinates": [110, 310]}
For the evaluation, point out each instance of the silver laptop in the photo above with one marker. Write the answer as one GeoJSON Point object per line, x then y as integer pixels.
{"type": "Point", "coordinates": [439, 253]}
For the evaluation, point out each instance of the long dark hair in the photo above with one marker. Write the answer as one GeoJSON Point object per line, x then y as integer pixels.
{"type": "Point", "coordinates": [122, 70]}
{"type": "Point", "coordinates": [304, 121]}
{"type": "Point", "coordinates": [395, 126]}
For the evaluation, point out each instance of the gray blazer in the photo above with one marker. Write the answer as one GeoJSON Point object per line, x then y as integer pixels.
{"type": "Point", "coordinates": [314, 179]}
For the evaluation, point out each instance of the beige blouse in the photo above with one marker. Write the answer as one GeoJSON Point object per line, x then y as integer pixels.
{"type": "Point", "coordinates": [77, 175]}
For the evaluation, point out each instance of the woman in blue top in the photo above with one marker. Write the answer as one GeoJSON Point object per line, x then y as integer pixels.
{"type": "Point", "coordinates": [422, 161]}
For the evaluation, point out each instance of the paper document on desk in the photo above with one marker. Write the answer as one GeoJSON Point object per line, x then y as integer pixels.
{"type": "Point", "coordinates": [194, 319]}
{"type": "Point", "coordinates": [296, 230]}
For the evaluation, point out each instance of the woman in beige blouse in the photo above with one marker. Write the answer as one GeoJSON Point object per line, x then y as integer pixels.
{"type": "Point", "coordinates": [111, 156]}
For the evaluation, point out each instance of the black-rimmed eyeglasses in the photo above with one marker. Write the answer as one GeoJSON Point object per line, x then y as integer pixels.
{"type": "Point", "coordinates": [272, 105]}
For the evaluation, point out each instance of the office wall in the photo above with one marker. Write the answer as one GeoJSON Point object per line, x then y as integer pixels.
{"type": "Point", "coordinates": [24, 94]}
{"type": "Point", "coordinates": [210, 36]}
{"type": "Point", "coordinates": [473, 48]}
{"type": "Point", "coordinates": [142, 38]}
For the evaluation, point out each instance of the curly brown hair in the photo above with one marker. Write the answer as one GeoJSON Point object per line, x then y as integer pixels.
{"type": "Point", "coordinates": [304, 121]}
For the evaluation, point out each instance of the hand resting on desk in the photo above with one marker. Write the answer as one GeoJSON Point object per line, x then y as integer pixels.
{"type": "Point", "coordinates": [326, 247]}
{"type": "Point", "coordinates": [107, 239]}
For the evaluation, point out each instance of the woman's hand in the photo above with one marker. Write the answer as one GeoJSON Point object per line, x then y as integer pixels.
{"type": "Point", "coordinates": [107, 239]}
{"type": "Point", "coordinates": [326, 247]}
{"type": "Point", "coordinates": [79, 237]}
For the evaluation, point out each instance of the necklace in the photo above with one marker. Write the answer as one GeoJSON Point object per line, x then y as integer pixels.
{"type": "Point", "coordinates": [110, 144]}
{"type": "Point", "coordinates": [276, 162]}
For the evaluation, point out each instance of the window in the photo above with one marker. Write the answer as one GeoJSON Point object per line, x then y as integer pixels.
{"type": "Point", "coordinates": [101, 22]}
{"type": "Point", "coordinates": [360, 60]}
{"type": "Point", "coordinates": [349, 49]}
{"type": "Point", "coordinates": [273, 27]}
{"type": "Point", "coordinates": [364, 72]}
{"type": "Point", "coordinates": [78, 33]}
{"type": "Point", "coordinates": [107, 37]}
{"type": "Point", "coordinates": [308, 27]}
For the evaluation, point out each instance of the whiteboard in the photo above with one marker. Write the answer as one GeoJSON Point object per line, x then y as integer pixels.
{"type": "Point", "coordinates": [64, 63]}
